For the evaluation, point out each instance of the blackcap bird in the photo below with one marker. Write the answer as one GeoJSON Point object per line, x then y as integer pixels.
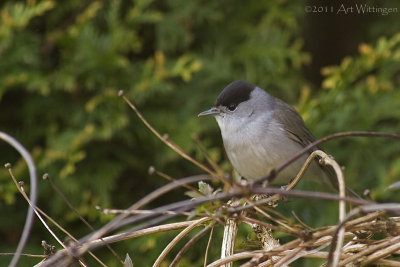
{"type": "Point", "coordinates": [261, 132]}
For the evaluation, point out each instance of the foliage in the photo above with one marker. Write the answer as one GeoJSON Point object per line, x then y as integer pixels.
{"type": "Point", "coordinates": [63, 62]}
{"type": "Point", "coordinates": [362, 94]}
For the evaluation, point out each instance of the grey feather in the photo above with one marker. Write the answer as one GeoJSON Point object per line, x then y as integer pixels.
{"type": "Point", "coordinates": [292, 123]}
{"type": "Point", "coordinates": [297, 131]}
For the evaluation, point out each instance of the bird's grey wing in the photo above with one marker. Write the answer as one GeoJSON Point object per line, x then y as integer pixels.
{"type": "Point", "coordinates": [293, 124]}
{"type": "Point", "coordinates": [298, 132]}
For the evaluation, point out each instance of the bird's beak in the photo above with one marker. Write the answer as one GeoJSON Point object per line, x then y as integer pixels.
{"type": "Point", "coordinates": [211, 111]}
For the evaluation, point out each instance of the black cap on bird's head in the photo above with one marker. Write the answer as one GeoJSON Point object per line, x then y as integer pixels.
{"type": "Point", "coordinates": [233, 94]}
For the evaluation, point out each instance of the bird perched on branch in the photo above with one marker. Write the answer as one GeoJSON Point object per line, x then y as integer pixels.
{"type": "Point", "coordinates": [261, 132]}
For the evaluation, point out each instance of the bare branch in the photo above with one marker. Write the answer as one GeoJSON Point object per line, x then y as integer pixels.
{"type": "Point", "coordinates": [168, 248]}
{"type": "Point", "coordinates": [47, 177]}
{"type": "Point", "coordinates": [229, 238]}
{"type": "Point", "coordinates": [316, 143]}
{"type": "Point", "coordinates": [326, 160]}
{"type": "Point", "coordinates": [173, 146]}
{"type": "Point", "coordinates": [33, 194]}
{"type": "Point", "coordinates": [190, 243]}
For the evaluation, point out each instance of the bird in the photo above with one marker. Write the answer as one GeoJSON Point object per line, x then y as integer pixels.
{"type": "Point", "coordinates": [261, 132]}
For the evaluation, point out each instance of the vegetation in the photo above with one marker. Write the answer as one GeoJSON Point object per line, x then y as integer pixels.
{"type": "Point", "coordinates": [62, 64]}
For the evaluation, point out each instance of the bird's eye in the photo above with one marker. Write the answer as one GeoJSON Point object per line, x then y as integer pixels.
{"type": "Point", "coordinates": [232, 107]}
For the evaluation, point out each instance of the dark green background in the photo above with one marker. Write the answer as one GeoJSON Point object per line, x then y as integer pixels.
{"type": "Point", "coordinates": [63, 62]}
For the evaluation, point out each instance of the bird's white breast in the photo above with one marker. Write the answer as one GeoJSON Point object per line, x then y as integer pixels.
{"type": "Point", "coordinates": [256, 148]}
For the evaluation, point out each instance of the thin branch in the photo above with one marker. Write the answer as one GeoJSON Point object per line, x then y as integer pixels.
{"type": "Point", "coordinates": [147, 231]}
{"type": "Point", "coordinates": [316, 143]}
{"type": "Point", "coordinates": [379, 262]}
{"type": "Point", "coordinates": [152, 170]}
{"type": "Point", "coordinates": [229, 239]}
{"type": "Point", "coordinates": [213, 164]}
{"type": "Point", "coordinates": [118, 221]}
{"type": "Point", "coordinates": [301, 173]}
{"type": "Point", "coordinates": [33, 194]}
{"type": "Point", "coordinates": [182, 234]}
{"type": "Point", "coordinates": [23, 254]}
{"type": "Point", "coordinates": [250, 220]}
{"type": "Point", "coordinates": [173, 146]}
{"type": "Point", "coordinates": [284, 261]}
{"type": "Point", "coordinates": [85, 244]}
{"type": "Point", "coordinates": [133, 212]}
{"type": "Point", "coordinates": [326, 160]}
{"type": "Point", "coordinates": [303, 253]}
{"type": "Point", "coordinates": [187, 205]}
{"type": "Point", "coordinates": [368, 251]}
{"type": "Point", "coordinates": [364, 209]}
{"type": "Point", "coordinates": [22, 191]}
{"type": "Point", "coordinates": [208, 246]}
{"type": "Point", "coordinates": [305, 194]}
{"type": "Point", "coordinates": [59, 258]}
{"type": "Point", "coordinates": [38, 210]}
{"type": "Point", "coordinates": [190, 243]}
{"type": "Point", "coordinates": [391, 246]}
{"type": "Point", "coordinates": [321, 239]}
{"type": "Point", "coordinates": [58, 191]}
{"type": "Point", "coordinates": [238, 256]}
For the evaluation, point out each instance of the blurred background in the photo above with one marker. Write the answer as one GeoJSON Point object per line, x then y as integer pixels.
{"type": "Point", "coordinates": [62, 64]}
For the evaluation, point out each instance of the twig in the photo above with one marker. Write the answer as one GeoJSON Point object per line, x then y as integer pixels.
{"type": "Point", "coordinates": [391, 245]}
{"type": "Point", "coordinates": [152, 170]}
{"type": "Point", "coordinates": [236, 257]}
{"type": "Point", "coordinates": [33, 194]}
{"type": "Point", "coordinates": [143, 232]}
{"type": "Point", "coordinates": [290, 230]}
{"type": "Point", "coordinates": [316, 143]}
{"type": "Point", "coordinates": [41, 219]}
{"type": "Point", "coordinates": [208, 246]}
{"type": "Point", "coordinates": [303, 253]}
{"type": "Point", "coordinates": [213, 164]}
{"type": "Point", "coordinates": [229, 237]}
{"type": "Point", "coordinates": [306, 226]}
{"type": "Point", "coordinates": [369, 250]}
{"type": "Point", "coordinates": [326, 160]}
{"type": "Point", "coordinates": [190, 204]}
{"type": "Point", "coordinates": [173, 146]}
{"type": "Point", "coordinates": [58, 258]}
{"type": "Point", "coordinates": [367, 208]}
{"type": "Point", "coordinates": [285, 260]}
{"type": "Point", "coordinates": [292, 184]}
{"type": "Point", "coordinates": [23, 254]}
{"type": "Point", "coordinates": [190, 243]}
{"type": "Point", "coordinates": [20, 187]}
{"type": "Point", "coordinates": [168, 248]}
{"type": "Point", "coordinates": [250, 220]}
{"type": "Point", "coordinates": [118, 221]}
{"type": "Point", "coordinates": [300, 174]}
{"type": "Point", "coordinates": [305, 194]}
{"type": "Point", "coordinates": [379, 262]}
{"type": "Point", "coordinates": [38, 210]}
{"type": "Point", "coordinates": [179, 207]}
{"type": "Point", "coordinates": [133, 212]}
{"type": "Point", "coordinates": [46, 177]}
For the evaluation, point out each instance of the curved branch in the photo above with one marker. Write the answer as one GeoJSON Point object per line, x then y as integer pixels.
{"type": "Point", "coordinates": [33, 194]}
{"type": "Point", "coordinates": [305, 150]}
